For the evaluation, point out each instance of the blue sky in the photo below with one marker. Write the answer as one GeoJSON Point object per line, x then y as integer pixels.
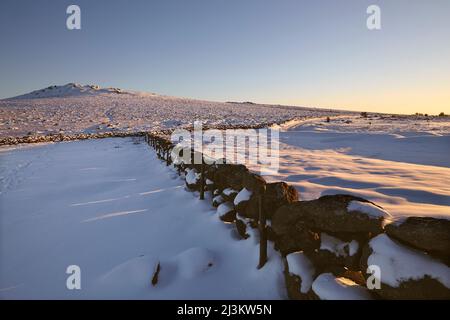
{"type": "Point", "coordinates": [310, 53]}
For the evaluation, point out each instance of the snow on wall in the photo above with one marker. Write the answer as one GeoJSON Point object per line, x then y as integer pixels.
{"type": "Point", "coordinates": [368, 208]}
{"type": "Point", "coordinates": [192, 176]}
{"type": "Point", "coordinates": [329, 287]}
{"type": "Point", "coordinates": [243, 195]}
{"type": "Point", "coordinates": [400, 263]}
{"type": "Point", "coordinates": [338, 247]}
{"type": "Point", "coordinates": [326, 286]}
{"type": "Point", "coordinates": [300, 265]}
{"type": "Point", "coordinates": [224, 208]}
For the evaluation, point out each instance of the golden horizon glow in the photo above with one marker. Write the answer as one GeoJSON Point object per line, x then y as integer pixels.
{"type": "Point", "coordinates": [431, 101]}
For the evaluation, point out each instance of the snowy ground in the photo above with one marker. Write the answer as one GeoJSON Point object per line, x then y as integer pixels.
{"type": "Point", "coordinates": [402, 164]}
{"type": "Point", "coordinates": [82, 109]}
{"type": "Point", "coordinates": [110, 207]}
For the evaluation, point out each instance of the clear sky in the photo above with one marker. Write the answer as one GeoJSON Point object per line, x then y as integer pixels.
{"type": "Point", "coordinates": [308, 53]}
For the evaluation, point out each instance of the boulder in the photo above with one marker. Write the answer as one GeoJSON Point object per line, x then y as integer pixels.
{"type": "Point", "coordinates": [217, 200]}
{"type": "Point", "coordinates": [241, 200]}
{"type": "Point", "coordinates": [276, 195]}
{"type": "Point", "coordinates": [335, 214]}
{"type": "Point", "coordinates": [229, 194]}
{"type": "Point", "coordinates": [297, 237]}
{"type": "Point", "coordinates": [228, 217]}
{"type": "Point", "coordinates": [424, 233]}
{"type": "Point", "coordinates": [254, 183]}
{"type": "Point", "coordinates": [229, 176]}
{"type": "Point", "coordinates": [251, 208]}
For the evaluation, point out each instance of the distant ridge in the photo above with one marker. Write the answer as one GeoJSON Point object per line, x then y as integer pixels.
{"type": "Point", "coordinates": [69, 90]}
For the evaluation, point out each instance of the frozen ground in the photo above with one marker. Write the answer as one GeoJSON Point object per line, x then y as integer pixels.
{"type": "Point", "coordinates": [86, 109]}
{"type": "Point", "coordinates": [110, 207]}
{"type": "Point", "coordinates": [400, 163]}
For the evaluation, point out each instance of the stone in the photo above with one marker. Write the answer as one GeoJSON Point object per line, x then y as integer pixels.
{"type": "Point", "coordinates": [424, 233]}
{"type": "Point", "coordinates": [329, 214]}
{"type": "Point", "coordinates": [229, 176]}
{"type": "Point", "coordinates": [226, 212]}
{"type": "Point", "coordinates": [228, 217]}
{"type": "Point", "coordinates": [254, 183]}
{"type": "Point", "coordinates": [241, 228]}
{"type": "Point", "coordinates": [229, 194]}
{"type": "Point", "coordinates": [296, 237]}
{"type": "Point", "coordinates": [217, 200]}
{"type": "Point", "coordinates": [276, 195]}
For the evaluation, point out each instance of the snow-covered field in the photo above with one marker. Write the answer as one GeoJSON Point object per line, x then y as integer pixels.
{"type": "Point", "coordinates": [88, 109]}
{"type": "Point", "coordinates": [110, 207]}
{"type": "Point", "coordinates": [402, 164]}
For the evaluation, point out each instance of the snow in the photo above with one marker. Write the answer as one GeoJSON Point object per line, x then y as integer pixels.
{"type": "Point", "coordinates": [218, 199]}
{"type": "Point", "coordinates": [397, 126]}
{"type": "Point", "coordinates": [82, 203]}
{"type": "Point", "coordinates": [195, 261]}
{"type": "Point", "coordinates": [300, 265]}
{"type": "Point", "coordinates": [328, 287]}
{"type": "Point", "coordinates": [63, 196]}
{"type": "Point", "coordinates": [69, 90]}
{"type": "Point", "coordinates": [229, 191]}
{"type": "Point", "coordinates": [243, 195]}
{"type": "Point", "coordinates": [367, 208]}
{"type": "Point", "coordinates": [129, 277]}
{"type": "Point", "coordinates": [224, 208]}
{"type": "Point", "coordinates": [353, 247]}
{"type": "Point", "coordinates": [398, 163]}
{"type": "Point", "coordinates": [192, 176]}
{"type": "Point", "coordinates": [338, 247]}
{"type": "Point", "coordinates": [399, 263]}
{"type": "Point", "coordinates": [75, 108]}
